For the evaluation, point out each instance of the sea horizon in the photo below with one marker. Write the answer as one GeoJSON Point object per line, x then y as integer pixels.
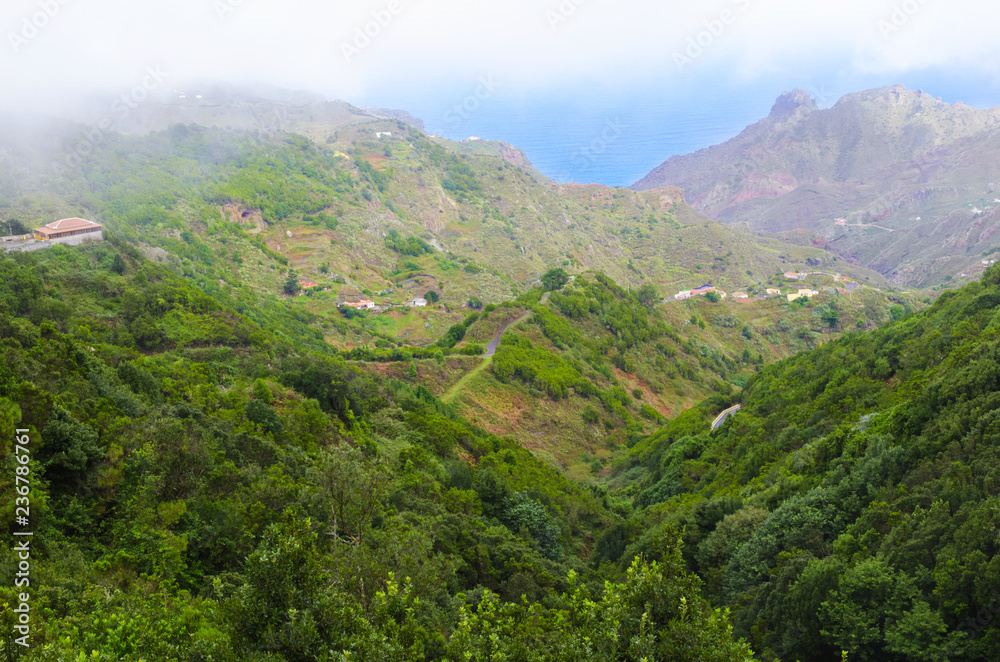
{"type": "Point", "coordinates": [615, 137]}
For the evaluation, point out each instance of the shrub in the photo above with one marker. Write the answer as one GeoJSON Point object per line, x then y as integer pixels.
{"type": "Point", "coordinates": [647, 412]}
{"type": "Point", "coordinates": [413, 246]}
{"type": "Point", "coordinates": [518, 357]}
{"type": "Point", "coordinates": [263, 415]}
{"type": "Point", "coordinates": [261, 391]}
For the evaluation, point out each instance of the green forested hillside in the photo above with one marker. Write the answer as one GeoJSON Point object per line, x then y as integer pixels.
{"type": "Point", "coordinates": [223, 470]}
{"type": "Point", "coordinates": [852, 503]}
{"type": "Point", "coordinates": [236, 210]}
{"type": "Point", "coordinates": [203, 489]}
{"type": "Point", "coordinates": [595, 366]}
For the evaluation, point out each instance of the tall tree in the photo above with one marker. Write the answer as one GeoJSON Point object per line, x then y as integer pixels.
{"type": "Point", "coordinates": [647, 295]}
{"type": "Point", "coordinates": [292, 284]}
{"type": "Point", "coordinates": [554, 279]}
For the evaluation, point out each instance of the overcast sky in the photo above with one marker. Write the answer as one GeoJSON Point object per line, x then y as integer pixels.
{"type": "Point", "coordinates": [423, 55]}
{"type": "Point", "coordinates": [54, 47]}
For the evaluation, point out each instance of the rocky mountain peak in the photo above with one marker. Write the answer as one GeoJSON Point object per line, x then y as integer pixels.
{"type": "Point", "coordinates": [796, 102]}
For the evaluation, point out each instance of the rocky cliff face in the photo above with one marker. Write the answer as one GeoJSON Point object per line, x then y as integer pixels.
{"type": "Point", "coordinates": [792, 106]}
{"type": "Point", "coordinates": [890, 156]}
{"type": "Point", "coordinates": [514, 156]}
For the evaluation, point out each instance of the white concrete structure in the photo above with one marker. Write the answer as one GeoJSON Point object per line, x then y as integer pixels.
{"type": "Point", "coordinates": [802, 293]}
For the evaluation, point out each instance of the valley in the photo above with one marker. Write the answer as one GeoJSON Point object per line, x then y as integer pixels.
{"type": "Point", "coordinates": [335, 388]}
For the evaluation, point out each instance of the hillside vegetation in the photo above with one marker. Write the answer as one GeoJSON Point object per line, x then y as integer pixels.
{"type": "Point", "coordinates": [227, 462]}
{"type": "Point", "coordinates": [237, 210]}
{"type": "Point", "coordinates": [596, 367]}
{"type": "Point", "coordinates": [851, 504]}
{"type": "Point", "coordinates": [201, 489]}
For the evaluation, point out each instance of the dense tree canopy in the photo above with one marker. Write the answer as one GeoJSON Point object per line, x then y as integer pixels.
{"type": "Point", "coordinates": [203, 489]}
{"type": "Point", "coordinates": [847, 506]}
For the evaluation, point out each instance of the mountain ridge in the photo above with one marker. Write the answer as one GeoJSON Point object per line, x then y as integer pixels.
{"type": "Point", "coordinates": [239, 107]}
{"type": "Point", "coordinates": [493, 224]}
{"type": "Point", "coordinates": [876, 156]}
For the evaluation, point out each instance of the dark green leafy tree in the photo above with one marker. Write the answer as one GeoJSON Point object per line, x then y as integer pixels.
{"type": "Point", "coordinates": [69, 449]}
{"type": "Point", "coordinates": [355, 486]}
{"type": "Point", "coordinates": [264, 415]}
{"type": "Point", "coordinates": [647, 295]}
{"type": "Point", "coordinates": [524, 514]}
{"type": "Point", "coordinates": [554, 279]}
{"type": "Point", "coordinates": [292, 285]}
{"type": "Point", "coordinates": [14, 226]}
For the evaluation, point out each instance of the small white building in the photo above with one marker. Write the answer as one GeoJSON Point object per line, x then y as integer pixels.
{"type": "Point", "coordinates": [366, 304]}
{"type": "Point", "coordinates": [802, 293]}
{"type": "Point", "coordinates": [419, 302]}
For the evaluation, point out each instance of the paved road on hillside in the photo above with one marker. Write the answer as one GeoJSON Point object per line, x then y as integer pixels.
{"type": "Point", "coordinates": [491, 348]}
{"type": "Point", "coordinates": [721, 418]}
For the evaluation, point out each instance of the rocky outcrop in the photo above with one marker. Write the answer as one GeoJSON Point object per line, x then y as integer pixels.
{"type": "Point", "coordinates": [893, 157]}
{"type": "Point", "coordinates": [514, 156]}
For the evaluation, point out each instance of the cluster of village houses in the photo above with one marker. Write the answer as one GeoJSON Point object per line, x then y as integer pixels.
{"type": "Point", "coordinates": [364, 304]}
{"type": "Point", "coordinates": [983, 264]}
{"type": "Point", "coordinates": [368, 304]}
{"type": "Point", "coordinates": [849, 286]}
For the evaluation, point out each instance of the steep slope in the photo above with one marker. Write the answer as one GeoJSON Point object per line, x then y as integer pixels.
{"type": "Point", "coordinates": [216, 492]}
{"type": "Point", "coordinates": [593, 368]}
{"type": "Point", "coordinates": [894, 178]}
{"type": "Point", "coordinates": [852, 502]}
{"type": "Point", "coordinates": [380, 212]}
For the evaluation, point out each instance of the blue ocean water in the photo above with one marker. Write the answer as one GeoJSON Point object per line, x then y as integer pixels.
{"type": "Point", "coordinates": [594, 139]}
{"type": "Point", "coordinates": [616, 136]}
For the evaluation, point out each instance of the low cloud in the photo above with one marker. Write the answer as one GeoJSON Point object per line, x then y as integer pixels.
{"type": "Point", "coordinates": [54, 50]}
